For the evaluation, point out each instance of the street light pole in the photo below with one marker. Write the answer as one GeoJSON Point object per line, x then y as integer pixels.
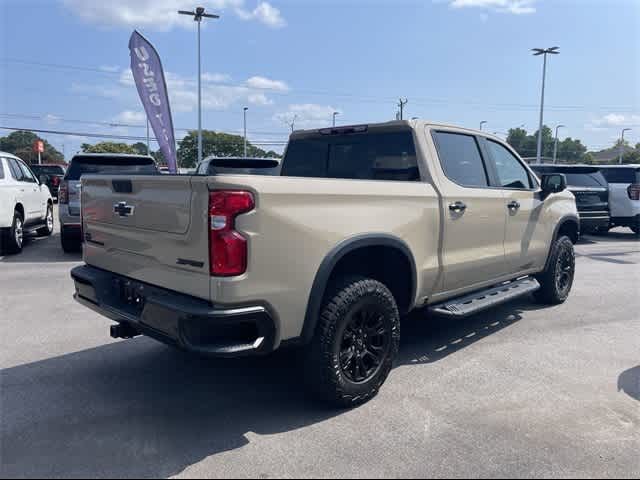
{"type": "Point", "coordinates": [542, 51]}
{"type": "Point", "coordinates": [555, 145]}
{"type": "Point", "coordinates": [482, 123]}
{"type": "Point", "coordinates": [148, 150]}
{"type": "Point", "coordinates": [334, 117]}
{"type": "Point", "coordinates": [198, 15]}
{"type": "Point", "coordinates": [245, 130]}
{"type": "Point", "coordinates": [622, 144]}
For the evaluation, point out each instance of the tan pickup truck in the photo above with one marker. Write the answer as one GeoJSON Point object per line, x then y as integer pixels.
{"type": "Point", "coordinates": [365, 224]}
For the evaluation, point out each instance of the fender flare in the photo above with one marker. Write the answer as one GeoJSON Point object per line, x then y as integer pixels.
{"type": "Point", "coordinates": [571, 218]}
{"type": "Point", "coordinates": [329, 262]}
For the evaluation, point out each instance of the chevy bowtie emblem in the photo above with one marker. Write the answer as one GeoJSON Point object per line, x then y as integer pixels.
{"type": "Point", "coordinates": [123, 210]}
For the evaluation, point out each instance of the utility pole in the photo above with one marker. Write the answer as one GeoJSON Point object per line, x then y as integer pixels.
{"type": "Point", "coordinates": [555, 145]}
{"type": "Point", "coordinates": [622, 144]}
{"type": "Point", "coordinates": [401, 104]}
{"type": "Point", "coordinates": [245, 130]}
{"type": "Point", "coordinates": [293, 123]}
{"type": "Point", "coordinates": [537, 52]}
{"type": "Point", "coordinates": [198, 15]}
{"type": "Point", "coordinates": [482, 123]}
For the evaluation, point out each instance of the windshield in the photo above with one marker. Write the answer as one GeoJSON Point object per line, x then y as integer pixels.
{"type": "Point", "coordinates": [111, 166]}
{"type": "Point", "coordinates": [47, 170]}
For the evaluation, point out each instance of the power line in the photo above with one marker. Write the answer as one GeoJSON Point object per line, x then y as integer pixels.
{"type": "Point", "coordinates": [362, 99]}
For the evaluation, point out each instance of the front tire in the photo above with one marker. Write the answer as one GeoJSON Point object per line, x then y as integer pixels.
{"type": "Point", "coordinates": [557, 279]}
{"type": "Point", "coordinates": [47, 230]}
{"type": "Point", "coordinates": [355, 343]}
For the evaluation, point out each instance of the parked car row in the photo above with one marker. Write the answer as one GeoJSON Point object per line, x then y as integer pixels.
{"type": "Point", "coordinates": [607, 196]}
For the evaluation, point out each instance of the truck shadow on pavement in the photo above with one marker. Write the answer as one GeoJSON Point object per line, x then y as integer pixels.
{"type": "Point", "coordinates": [629, 382]}
{"type": "Point", "coordinates": [140, 409]}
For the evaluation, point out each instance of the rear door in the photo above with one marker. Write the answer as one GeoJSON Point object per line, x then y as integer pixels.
{"type": "Point", "coordinates": [27, 190]}
{"type": "Point", "coordinates": [526, 233]}
{"type": "Point", "coordinates": [474, 214]}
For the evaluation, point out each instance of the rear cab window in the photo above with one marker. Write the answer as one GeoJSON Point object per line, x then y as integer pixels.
{"type": "Point", "coordinates": [47, 170]}
{"type": "Point", "coordinates": [355, 153]}
{"type": "Point", "coordinates": [106, 165]}
{"type": "Point", "coordinates": [242, 166]}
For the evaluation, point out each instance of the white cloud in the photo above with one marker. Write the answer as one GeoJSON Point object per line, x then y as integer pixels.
{"type": "Point", "coordinates": [130, 117]}
{"type": "Point", "coordinates": [259, 99]}
{"type": "Point", "coordinates": [264, 13]}
{"type": "Point", "coordinates": [307, 115]}
{"type": "Point", "coordinates": [163, 14]}
{"type": "Point", "coordinates": [615, 120]}
{"type": "Point", "coordinates": [51, 119]}
{"type": "Point", "coordinates": [264, 83]}
{"type": "Point", "coordinates": [216, 77]}
{"type": "Point", "coordinates": [109, 68]}
{"type": "Point", "coordinates": [516, 7]}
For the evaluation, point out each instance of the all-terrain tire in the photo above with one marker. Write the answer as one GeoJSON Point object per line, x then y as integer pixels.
{"type": "Point", "coordinates": [557, 279]}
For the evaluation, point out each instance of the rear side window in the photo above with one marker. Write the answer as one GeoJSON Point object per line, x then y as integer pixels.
{"type": "Point", "coordinates": [1, 168]}
{"type": "Point", "coordinates": [110, 166]}
{"type": "Point", "coordinates": [373, 156]}
{"type": "Point", "coordinates": [16, 172]}
{"type": "Point", "coordinates": [461, 159]}
{"type": "Point", "coordinates": [622, 175]}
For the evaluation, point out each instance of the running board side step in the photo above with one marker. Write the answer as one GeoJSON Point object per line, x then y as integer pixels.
{"type": "Point", "coordinates": [482, 299]}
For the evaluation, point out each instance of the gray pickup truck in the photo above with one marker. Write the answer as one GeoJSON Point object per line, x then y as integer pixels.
{"type": "Point", "coordinates": [365, 224]}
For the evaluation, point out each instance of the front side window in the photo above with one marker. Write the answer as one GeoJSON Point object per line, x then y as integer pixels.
{"type": "Point", "coordinates": [461, 159]}
{"type": "Point", "coordinates": [27, 176]}
{"type": "Point", "coordinates": [511, 173]}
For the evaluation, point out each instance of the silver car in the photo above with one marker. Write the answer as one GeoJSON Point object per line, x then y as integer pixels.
{"type": "Point", "coordinates": [69, 193]}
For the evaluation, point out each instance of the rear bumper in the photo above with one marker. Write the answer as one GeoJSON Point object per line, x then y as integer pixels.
{"type": "Point", "coordinates": [174, 318]}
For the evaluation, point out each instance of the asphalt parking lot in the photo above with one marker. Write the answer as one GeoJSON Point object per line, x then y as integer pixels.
{"type": "Point", "coordinates": [519, 391]}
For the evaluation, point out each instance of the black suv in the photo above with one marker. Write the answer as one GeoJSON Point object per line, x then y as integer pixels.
{"type": "Point", "coordinates": [50, 175]}
{"type": "Point", "coordinates": [591, 190]}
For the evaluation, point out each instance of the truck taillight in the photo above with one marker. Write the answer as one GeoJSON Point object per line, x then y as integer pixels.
{"type": "Point", "coordinates": [227, 247]}
{"type": "Point", "coordinates": [634, 191]}
{"type": "Point", "coordinates": [55, 181]}
{"type": "Point", "coordinates": [63, 193]}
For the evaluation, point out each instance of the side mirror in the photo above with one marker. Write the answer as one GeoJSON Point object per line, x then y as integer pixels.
{"type": "Point", "coordinates": [553, 183]}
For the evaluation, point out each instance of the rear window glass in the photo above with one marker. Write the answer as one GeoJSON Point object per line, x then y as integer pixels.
{"type": "Point", "coordinates": [110, 166]}
{"type": "Point", "coordinates": [576, 176]}
{"type": "Point", "coordinates": [366, 156]}
{"type": "Point", "coordinates": [47, 170]}
{"type": "Point", "coordinates": [622, 175]}
{"type": "Point", "coordinates": [461, 160]}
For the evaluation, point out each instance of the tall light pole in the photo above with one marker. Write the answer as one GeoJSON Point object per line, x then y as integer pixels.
{"type": "Point", "coordinates": [334, 117]}
{"type": "Point", "coordinates": [198, 15]}
{"type": "Point", "coordinates": [555, 144]}
{"type": "Point", "coordinates": [148, 149]}
{"type": "Point", "coordinates": [537, 52]}
{"type": "Point", "coordinates": [622, 144]}
{"type": "Point", "coordinates": [245, 130]}
{"type": "Point", "coordinates": [401, 104]}
{"type": "Point", "coordinates": [482, 123]}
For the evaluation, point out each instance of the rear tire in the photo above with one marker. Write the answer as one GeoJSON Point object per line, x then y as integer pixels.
{"type": "Point", "coordinates": [69, 243]}
{"type": "Point", "coordinates": [636, 227]}
{"type": "Point", "coordinates": [557, 279]}
{"type": "Point", "coordinates": [47, 230]}
{"type": "Point", "coordinates": [13, 237]}
{"type": "Point", "coordinates": [355, 343]}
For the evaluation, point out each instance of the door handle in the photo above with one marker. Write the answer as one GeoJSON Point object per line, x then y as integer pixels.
{"type": "Point", "coordinates": [513, 206]}
{"type": "Point", "coordinates": [457, 207]}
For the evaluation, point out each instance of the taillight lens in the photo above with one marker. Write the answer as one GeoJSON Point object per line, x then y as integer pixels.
{"type": "Point", "coordinates": [63, 193]}
{"type": "Point", "coordinates": [634, 191]}
{"type": "Point", "coordinates": [227, 247]}
{"type": "Point", "coordinates": [55, 181]}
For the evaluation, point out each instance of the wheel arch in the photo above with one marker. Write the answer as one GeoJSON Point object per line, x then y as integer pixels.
{"type": "Point", "coordinates": [568, 225]}
{"type": "Point", "coordinates": [343, 256]}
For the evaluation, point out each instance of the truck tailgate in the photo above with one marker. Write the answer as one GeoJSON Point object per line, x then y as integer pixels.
{"type": "Point", "coordinates": [149, 228]}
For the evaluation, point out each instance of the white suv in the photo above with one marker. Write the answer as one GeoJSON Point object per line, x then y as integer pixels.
{"type": "Point", "coordinates": [624, 195]}
{"type": "Point", "coordinates": [25, 204]}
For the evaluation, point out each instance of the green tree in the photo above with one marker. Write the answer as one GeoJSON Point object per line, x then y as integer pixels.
{"type": "Point", "coordinates": [218, 144]}
{"type": "Point", "coordinates": [108, 147]}
{"type": "Point", "coordinates": [20, 143]}
{"type": "Point", "coordinates": [140, 148]}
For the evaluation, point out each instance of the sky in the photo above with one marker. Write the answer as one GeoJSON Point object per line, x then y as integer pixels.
{"type": "Point", "coordinates": [64, 65]}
